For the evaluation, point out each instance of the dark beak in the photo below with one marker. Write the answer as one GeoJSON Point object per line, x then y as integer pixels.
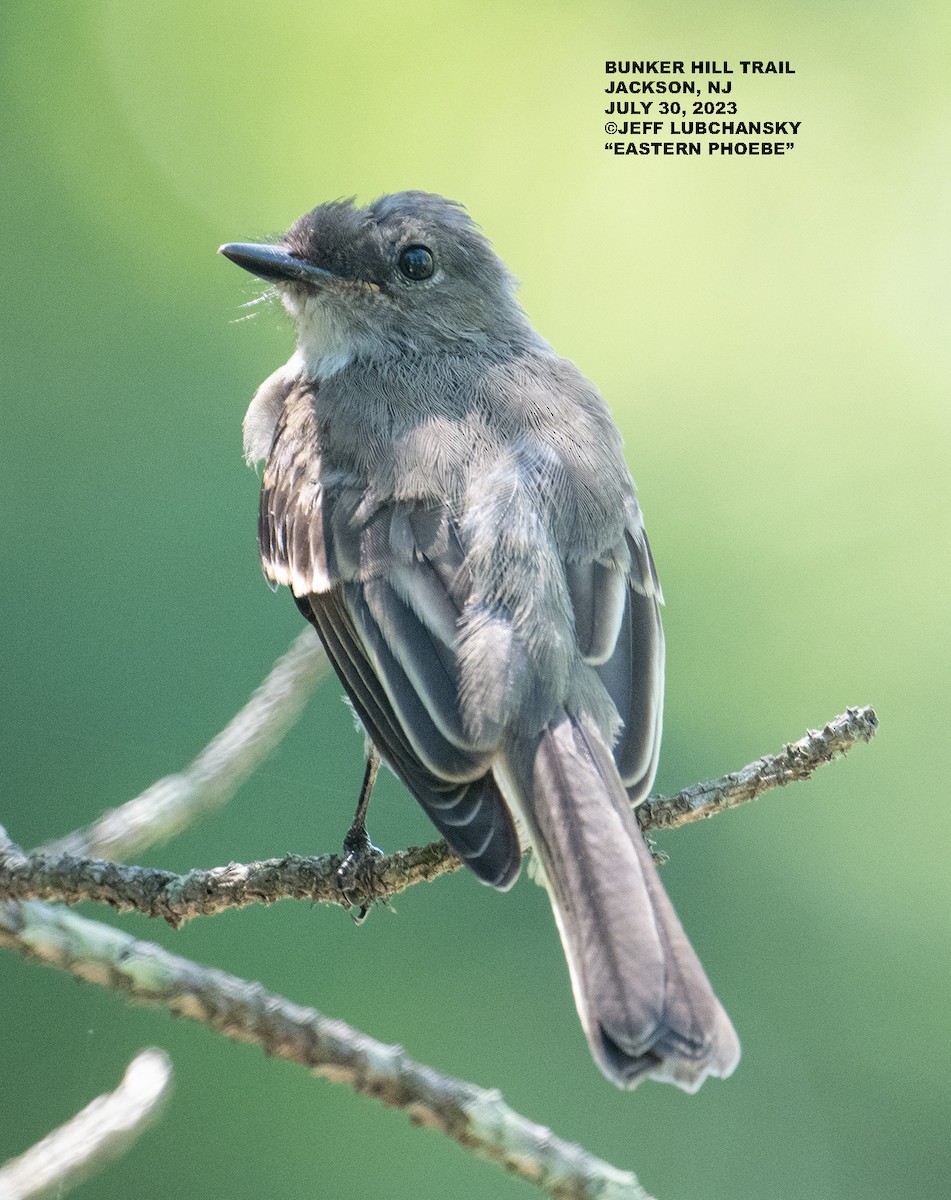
{"type": "Point", "coordinates": [274, 263]}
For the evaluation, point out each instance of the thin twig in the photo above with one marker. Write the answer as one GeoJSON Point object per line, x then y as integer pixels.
{"type": "Point", "coordinates": [179, 898]}
{"type": "Point", "coordinates": [479, 1120]}
{"type": "Point", "coordinates": [795, 762]}
{"type": "Point", "coordinates": [104, 1129]}
{"type": "Point", "coordinates": [172, 803]}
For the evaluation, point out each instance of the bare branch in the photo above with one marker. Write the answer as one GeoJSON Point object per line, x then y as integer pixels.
{"type": "Point", "coordinates": [174, 802]}
{"type": "Point", "coordinates": [103, 1130]}
{"type": "Point", "coordinates": [179, 898]}
{"type": "Point", "coordinates": [795, 762]}
{"type": "Point", "coordinates": [477, 1119]}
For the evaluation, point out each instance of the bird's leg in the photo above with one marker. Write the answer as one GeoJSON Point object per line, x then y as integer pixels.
{"type": "Point", "coordinates": [357, 842]}
{"type": "Point", "coordinates": [357, 847]}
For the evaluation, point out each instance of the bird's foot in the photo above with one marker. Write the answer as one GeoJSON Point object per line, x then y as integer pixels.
{"type": "Point", "coordinates": [358, 852]}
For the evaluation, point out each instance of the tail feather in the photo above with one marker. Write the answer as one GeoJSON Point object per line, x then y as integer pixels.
{"type": "Point", "coordinates": [645, 1003]}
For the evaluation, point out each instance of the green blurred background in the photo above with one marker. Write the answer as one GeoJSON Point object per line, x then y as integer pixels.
{"type": "Point", "coordinates": [772, 335]}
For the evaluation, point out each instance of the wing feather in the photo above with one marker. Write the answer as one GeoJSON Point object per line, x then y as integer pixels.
{"type": "Point", "coordinates": [472, 815]}
{"type": "Point", "coordinates": [616, 602]}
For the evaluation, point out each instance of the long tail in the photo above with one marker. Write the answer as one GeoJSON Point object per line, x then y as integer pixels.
{"type": "Point", "coordinates": [646, 1005]}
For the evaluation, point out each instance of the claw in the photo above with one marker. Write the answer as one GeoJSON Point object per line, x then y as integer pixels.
{"type": "Point", "coordinates": [357, 847]}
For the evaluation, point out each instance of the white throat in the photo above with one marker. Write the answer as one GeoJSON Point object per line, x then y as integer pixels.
{"type": "Point", "coordinates": [325, 342]}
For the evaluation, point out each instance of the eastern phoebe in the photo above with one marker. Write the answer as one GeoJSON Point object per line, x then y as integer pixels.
{"type": "Point", "coordinates": [448, 501]}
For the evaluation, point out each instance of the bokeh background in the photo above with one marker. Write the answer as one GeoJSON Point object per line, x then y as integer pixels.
{"type": "Point", "coordinates": [772, 335]}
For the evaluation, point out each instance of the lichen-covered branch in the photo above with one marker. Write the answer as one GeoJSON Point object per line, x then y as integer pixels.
{"type": "Point", "coordinates": [104, 1129]}
{"type": "Point", "coordinates": [172, 803]}
{"type": "Point", "coordinates": [178, 898]}
{"type": "Point", "coordinates": [796, 761]}
{"type": "Point", "coordinates": [479, 1120]}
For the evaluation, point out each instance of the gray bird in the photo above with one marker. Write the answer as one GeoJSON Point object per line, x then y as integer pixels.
{"type": "Point", "coordinates": [448, 502]}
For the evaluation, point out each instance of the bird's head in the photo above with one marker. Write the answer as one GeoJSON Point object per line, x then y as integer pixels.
{"type": "Point", "coordinates": [408, 272]}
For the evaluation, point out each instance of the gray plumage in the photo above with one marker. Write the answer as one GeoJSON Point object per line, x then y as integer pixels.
{"type": "Point", "coordinates": [448, 501]}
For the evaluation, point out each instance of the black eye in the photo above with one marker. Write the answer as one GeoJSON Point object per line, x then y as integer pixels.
{"type": "Point", "coordinates": [416, 262]}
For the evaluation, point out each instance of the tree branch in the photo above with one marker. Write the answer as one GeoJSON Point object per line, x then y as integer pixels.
{"type": "Point", "coordinates": [179, 898]}
{"type": "Point", "coordinates": [104, 1129]}
{"type": "Point", "coordinates": [477, 1119]}
{"type": "Point", "coordinates": [174, 802]}
{"type": "Point", "coordinates": [794, 763]}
